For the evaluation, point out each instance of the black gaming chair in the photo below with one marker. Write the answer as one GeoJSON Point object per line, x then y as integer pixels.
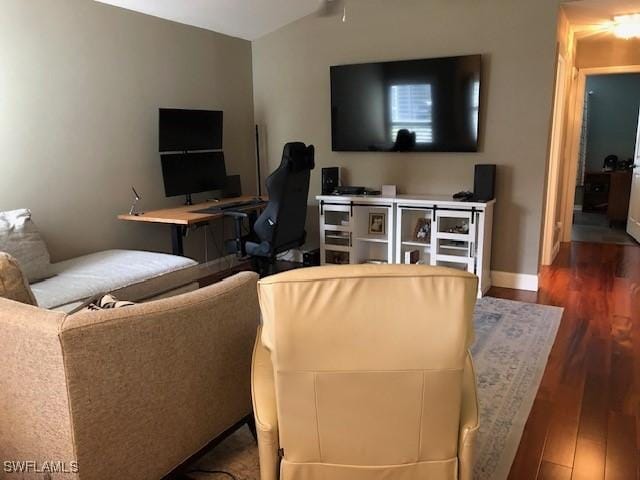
{"type": "Point", "coordinates": [280, 227]}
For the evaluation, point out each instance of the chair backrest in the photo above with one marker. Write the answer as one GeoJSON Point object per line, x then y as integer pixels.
{"type": "Point", "coordinates": [282, 222]}
{"type": "Point", "coordinates": [368, 364]}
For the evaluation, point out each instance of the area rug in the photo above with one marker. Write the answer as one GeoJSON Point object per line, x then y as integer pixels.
{"type": "Point", "coordinates": [513, 341]}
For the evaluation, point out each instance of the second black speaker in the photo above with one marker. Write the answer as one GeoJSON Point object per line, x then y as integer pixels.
{"type": "Point", "coordinates": [330, 179]}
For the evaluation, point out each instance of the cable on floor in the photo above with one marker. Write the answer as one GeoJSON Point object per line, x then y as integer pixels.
{"type": "Point", "coordinates": [215, 472]}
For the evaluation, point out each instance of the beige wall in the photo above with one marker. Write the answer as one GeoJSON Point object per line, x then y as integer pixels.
{"type": "Point", "coordinates": [80, 85]}
{"type": "Point", "coordinates": [607, 52]}
{"type": "Point", "coordinates": [517, 38]}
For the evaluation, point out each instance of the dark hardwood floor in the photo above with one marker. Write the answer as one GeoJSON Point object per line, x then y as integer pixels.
{"type": "Point", "coordinates": [585, 421]}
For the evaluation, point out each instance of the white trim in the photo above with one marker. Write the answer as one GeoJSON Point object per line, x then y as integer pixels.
{"type": "Point", "coordinates": [554, 164]}
{"type": "Point", "coordinates": [519, 281]}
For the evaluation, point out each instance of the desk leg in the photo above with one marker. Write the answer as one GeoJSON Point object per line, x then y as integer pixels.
{"type": "Point", "coordinates": [177, 247]}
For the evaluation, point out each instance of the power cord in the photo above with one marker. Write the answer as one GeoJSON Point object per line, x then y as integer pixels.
{"type": "Point", "coordinates": [215, 472]}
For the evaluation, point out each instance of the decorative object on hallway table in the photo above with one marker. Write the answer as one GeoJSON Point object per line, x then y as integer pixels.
{"type": "Point", "coordinates": [422, 231]}
{"type": "Point", "coordinates": [136, 198]}
{"type": "Point", "coordinates": [377, 223]}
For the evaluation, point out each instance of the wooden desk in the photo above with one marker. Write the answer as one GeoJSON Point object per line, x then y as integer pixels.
{"type": "Point", "coordinates": [180, 218]}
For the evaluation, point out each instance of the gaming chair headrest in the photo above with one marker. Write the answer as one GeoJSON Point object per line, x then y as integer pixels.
{"type": "Point", "coordinates": [298, 157]}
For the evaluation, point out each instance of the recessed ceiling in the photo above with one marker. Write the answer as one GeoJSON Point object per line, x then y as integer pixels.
{"type": "Point", "coordinates": [588, 16]}
{"type": "Point", "coordinates": [248, 19]}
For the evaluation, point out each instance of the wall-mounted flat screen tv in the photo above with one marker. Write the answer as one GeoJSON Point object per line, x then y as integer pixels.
{"type": "Point", "coordinates": [189, 130]}
{"type": "Point", "coordinates": [430, 105]}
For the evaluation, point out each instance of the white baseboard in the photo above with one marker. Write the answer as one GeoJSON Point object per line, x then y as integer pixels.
{"type": "Point", "coordinates": [519, 281]}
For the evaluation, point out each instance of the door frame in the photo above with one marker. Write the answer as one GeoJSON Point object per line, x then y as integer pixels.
{"type": "Point", "coordinates": [549, 243]}
{"type": "Point", "coordinates": [573, 140]}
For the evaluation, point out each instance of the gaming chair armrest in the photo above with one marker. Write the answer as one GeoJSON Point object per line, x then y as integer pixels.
{"type": "Point", "coordinates": [236, 215]}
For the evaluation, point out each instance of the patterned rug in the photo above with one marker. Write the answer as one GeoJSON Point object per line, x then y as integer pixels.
{"type": "Point", "coordinates": [513, 341]}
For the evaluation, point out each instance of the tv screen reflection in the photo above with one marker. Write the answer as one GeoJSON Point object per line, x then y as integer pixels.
{"type": "Point", "coordinates": [416, 105]}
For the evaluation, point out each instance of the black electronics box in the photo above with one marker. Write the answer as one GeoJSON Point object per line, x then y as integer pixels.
{"type": "Point", "coordinates": [484, 183]}
{"type": "Point", "coordinates": [311, 258]}
{"type": "Point", "coordinates": [330, 179]}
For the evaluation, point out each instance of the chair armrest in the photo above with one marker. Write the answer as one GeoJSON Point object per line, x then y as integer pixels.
{"type": "Point", "coordinates": [264, 410]}
{"type": "Point", "coordinates": [469, 421]}
{"type": "Point", "coordinates": [237, 215]}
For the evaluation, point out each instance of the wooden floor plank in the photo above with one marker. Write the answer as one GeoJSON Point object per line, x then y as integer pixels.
{"type": "Point", "coordinates": [622, 452]}
{"type": "Point", "coordinates": [586, 417]}
{"type": "Point", "coordinates": [527, 461]}
{"type": "Point", "coordinates": [589, 460]}
{"type": "Point", "coordinates": [551, 471]}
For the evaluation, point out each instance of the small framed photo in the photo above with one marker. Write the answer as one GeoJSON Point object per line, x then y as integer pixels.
{"type": "Point", "coordinates": [377, 223]}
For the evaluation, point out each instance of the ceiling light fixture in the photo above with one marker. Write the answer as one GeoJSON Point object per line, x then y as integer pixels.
{"type": "Point", "coordinates": [627, 26]}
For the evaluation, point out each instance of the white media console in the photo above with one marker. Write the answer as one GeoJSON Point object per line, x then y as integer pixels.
{"type": "Point", "coordinates": [428, 229]}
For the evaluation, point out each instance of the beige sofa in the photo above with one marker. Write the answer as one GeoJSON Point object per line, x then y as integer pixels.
{"type": "Point", "coordinates": [128, 393]}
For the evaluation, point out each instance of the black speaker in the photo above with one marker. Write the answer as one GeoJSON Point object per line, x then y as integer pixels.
{"type": "Point", "coordinates": [330, 179]}
{"type": "Point", "coordinates": [233, 188]}
{"type": "Point", "coordinates": [311, 258]}
{"type": "Point", "coordinates": [484, 183]}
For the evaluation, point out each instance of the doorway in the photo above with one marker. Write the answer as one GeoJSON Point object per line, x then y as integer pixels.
{"type": "Point", "coordinates": [602, 148]}
{"type": "Point", "coordinates": [607, 146]}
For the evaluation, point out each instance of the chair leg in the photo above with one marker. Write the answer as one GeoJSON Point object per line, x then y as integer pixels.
{"type": "Point", "coordinates": [251, 423]}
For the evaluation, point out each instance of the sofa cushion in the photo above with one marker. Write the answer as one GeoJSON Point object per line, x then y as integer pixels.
{"type": "Point", "coordinates": [13, 284]}
{"type": "Point", "coordinates": [83, 277]}
{"type": "Point", "coordinates": [20, 238]}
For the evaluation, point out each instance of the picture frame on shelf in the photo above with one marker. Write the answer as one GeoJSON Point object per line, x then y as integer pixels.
{"type": "Point", "coordinates": [377, 223]}
{"type": "Point", "coordinates": [422, 230]}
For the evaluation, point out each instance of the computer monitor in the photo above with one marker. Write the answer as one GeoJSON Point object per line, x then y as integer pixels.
{"type": "Point", "coordinates": [187, 173]}
{"type": "Point", "coordinates": [189, 130]}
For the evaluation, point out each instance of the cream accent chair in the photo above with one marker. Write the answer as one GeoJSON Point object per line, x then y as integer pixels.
{"type": "Point", "coordinates": [127, 393]}
{"type": "Point", "coordinates": [363, 373]}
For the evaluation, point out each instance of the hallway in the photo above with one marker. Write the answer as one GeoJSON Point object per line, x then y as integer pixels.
{"type": "Point", "coordinates": [585, 421]}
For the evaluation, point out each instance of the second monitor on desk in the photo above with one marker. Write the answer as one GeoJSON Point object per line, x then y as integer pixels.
{"type": "Point", "coordinates": [193, 172]}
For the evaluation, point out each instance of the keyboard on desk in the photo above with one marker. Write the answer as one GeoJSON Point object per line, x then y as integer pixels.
{"type": "Point", "coordinates": [230, 206]}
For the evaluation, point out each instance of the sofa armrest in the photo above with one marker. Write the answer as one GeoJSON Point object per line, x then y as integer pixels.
{"type": "Point", "coordinates": [35, 422]}
{"type": "Point", "coordinates": [264, 410]}
{"type": "Point", "coordinates": [469, 421]}
{"type": "Point", "coordinates": [151, 384]}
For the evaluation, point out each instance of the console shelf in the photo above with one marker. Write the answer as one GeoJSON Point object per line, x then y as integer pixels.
{"type": "Point", "coordinates": [432, 230]}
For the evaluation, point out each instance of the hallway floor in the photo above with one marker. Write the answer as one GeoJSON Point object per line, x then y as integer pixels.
{"type": "Point", "coordinates": [585, 421]}
{"type": "Point", "coordinates": [594, 227]}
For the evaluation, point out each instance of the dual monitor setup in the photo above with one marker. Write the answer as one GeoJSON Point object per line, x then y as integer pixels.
{"type": "Point", "coordinates": [425, 105]}
{"type": "Point", "coordinates": [190, 144]}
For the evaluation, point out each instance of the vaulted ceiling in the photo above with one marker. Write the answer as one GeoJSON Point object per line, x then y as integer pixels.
{"type": "Point", "coordinates": [248, 19]}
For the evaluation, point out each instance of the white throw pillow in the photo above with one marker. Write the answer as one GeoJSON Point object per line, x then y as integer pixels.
{"type": "Point", "coordinates": [19, 237]}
